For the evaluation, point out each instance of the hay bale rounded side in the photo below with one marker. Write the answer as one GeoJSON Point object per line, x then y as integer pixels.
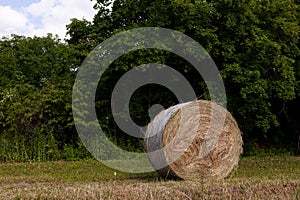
{"type": "Point", "coordinates": [194, 140]}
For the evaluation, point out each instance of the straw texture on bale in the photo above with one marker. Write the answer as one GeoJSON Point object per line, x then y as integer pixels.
{"type": "Point", "coordinates": [194, 140]}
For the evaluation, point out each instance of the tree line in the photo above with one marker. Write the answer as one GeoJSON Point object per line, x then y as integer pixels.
{"type": "Point", "coordinates": [255, 45]}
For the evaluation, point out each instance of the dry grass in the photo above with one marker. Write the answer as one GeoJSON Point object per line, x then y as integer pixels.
{"type": "Point", "coordinates": [256, 178]}
{"type": "Point", "coordinates": [156, 190]}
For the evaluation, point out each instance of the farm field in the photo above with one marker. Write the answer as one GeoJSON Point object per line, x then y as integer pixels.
{"type": "Point", "coordinates": [276, 177]}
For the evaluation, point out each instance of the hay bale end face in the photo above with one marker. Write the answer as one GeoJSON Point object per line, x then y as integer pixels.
{"type": "Point", "coordinates": [194, 140]}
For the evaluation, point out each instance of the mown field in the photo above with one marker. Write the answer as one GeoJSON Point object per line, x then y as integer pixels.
{"type": "Point", "coordinates": [276, 177]}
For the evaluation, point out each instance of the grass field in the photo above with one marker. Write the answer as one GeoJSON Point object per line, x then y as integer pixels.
{"type": "Point", "coordinates": [276, 177]}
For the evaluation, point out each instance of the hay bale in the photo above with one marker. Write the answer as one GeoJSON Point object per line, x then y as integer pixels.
{"type": "Point", "coordinates": [194, 140]}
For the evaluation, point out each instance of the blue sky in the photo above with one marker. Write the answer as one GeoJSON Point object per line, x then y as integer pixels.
{"type": "Point", "coordinates": [39, 17]}
{"type": "Point", "coordinates": [17, 3]}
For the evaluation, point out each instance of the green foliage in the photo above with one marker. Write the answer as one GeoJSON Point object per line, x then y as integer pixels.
{"type": "Point", "coordinates": [35, 98]}
{"type": "Point", "coordinates": [255, 44]}
{"type": "Point", "coordinates": [259, 48]}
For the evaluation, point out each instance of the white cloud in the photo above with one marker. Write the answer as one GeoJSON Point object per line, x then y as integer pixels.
{"type": "Point", "coordinates": [12, 21]}
{"type": "Point", "coordinates": [45, 16]}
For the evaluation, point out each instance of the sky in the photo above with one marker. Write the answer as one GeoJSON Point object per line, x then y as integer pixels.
{"type": "Point", "coordinates": [39, 17]}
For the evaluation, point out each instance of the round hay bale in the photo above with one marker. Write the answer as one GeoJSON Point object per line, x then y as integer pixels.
{"type": "Point", "coordinates": [194, 140]}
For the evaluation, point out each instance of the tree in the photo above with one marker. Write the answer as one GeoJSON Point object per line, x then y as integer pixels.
{"type": "Point", "coordinates": [258, 44]}
{"type": "Point", "coordinates": [36, 89]}
{"type": "Point", "coordinates": [255, 44]}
